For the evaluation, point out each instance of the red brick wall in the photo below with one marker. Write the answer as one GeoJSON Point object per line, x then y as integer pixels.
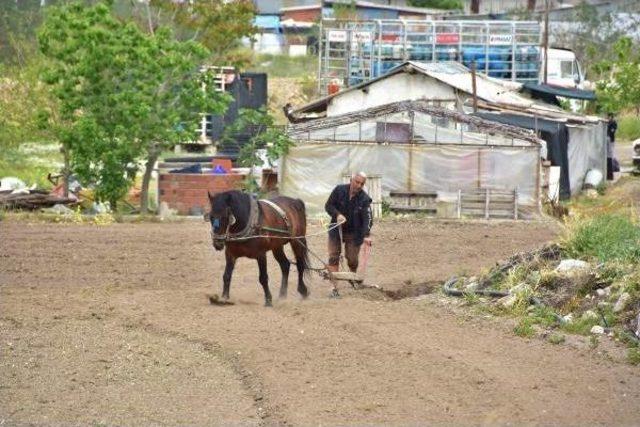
{"type": "Point", "coordinates": [183, 191]}
{"type": "Point", "coordinates": [304, 15]}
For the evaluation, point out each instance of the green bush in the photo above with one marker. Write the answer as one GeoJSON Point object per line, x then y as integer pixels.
{"type": "Point", "coordinates": [628, 128]}
{"type": "Point", "coordinates": [437, 4]}
{"type": "Point", "coordinates": [607, 237]}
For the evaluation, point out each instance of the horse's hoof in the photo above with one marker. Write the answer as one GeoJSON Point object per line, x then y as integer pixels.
{"type": "Point", "coordinates": [282, 296]}
{"type": "Point", "coordinates": [215, 300]}
{"type": "Point", "coordinates": [334, 294]}
{"type": "Point", "coordinates": [268, 304]}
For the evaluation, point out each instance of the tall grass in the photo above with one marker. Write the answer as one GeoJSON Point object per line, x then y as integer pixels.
{"type": "Point", "coordinates": [606, 237]}
{"type": "Point", "coordinates": [628, 128]}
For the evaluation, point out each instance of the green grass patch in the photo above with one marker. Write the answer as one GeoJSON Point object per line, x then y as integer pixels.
{"type": "Point", "coordinates": [628, 128]}
{"type": "Point", "coordinates": [607, 237]}
{"type": "Point", "coordinates": [524, 328]}
{"type": "Point", "coordinates": [556, 339]}
{"type": "Point", "coordinates": [581, 326]}
{"type": "Point", "coordinates": [544, 316]}
{"type": "Point", "coordinates": [31, 163]}
{"type": "Point", "coordinates": [633, 356]}
{"type": "Point", "coordinates": [470, 297]}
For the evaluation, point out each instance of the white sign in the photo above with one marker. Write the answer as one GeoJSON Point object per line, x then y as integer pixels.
{"type": "Point", "coordinates": [362, 36]}
{"type": "Point", "coordinates": [337, 36]}
{"type": "Point", "coordinates": [503, 39]}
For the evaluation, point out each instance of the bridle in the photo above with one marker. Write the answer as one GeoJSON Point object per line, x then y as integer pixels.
{"type": "Point", "coordinates": [231, 219]}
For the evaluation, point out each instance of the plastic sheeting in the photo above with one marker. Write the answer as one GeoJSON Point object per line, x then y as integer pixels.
{"type": "Point", "coordinates": [586, 150]}
{"type": "Point", "coordinates": [311, 170]}
{"type": "Point", "coordinates": [422, 128]}
{"type": "Point", "coordinates": [575, 148]}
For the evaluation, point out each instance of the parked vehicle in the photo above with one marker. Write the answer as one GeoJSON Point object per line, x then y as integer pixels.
{"type": "Point", "coordinates": [563, 69]}
{"type": "Point", "coordinates": [636, 157]}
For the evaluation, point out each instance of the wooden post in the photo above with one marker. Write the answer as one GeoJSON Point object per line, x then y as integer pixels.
{"type": "Point", "coordinates": [459, 204]}
{"type": "Point", "coordinates": [473, 86]}
{"type": "Point", "coordinates": [486, 204]}
{"type": "Point", "coordinates": [515, 203]}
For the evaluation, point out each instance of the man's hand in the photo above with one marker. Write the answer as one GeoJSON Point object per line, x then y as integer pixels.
{"type": "Point", "coordinates": [368, 241]}
{"type": "Point", "coordinates": [341, 219]}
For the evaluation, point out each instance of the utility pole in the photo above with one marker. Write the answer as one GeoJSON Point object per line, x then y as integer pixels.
{"type": "Point", "coordinates": [546, 39]}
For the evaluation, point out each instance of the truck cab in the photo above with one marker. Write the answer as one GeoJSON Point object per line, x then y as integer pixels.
{"type": "Point", "coordinates": [563, 69]}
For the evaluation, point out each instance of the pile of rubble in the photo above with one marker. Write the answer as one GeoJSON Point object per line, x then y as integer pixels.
{"type": "Point", "coordinates": [15, 195]}
{"type": "Point", "coordinates": [583, 297]}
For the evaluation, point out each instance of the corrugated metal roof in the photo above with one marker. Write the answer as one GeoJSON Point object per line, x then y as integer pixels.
{"type": "Point", "coordinates": [451, 73]}
{"type": "Point", "coordinates": [494, 92]}
{"type": "Point", "coordinates": [458, 76]}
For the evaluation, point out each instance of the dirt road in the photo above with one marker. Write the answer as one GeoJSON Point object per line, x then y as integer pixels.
{"type": "Point", "coordinates": [110, 326]}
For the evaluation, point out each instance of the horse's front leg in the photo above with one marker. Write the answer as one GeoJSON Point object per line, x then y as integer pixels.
{"type": "Point", "coordinates": [264, 279]}
{"type": "Point", "coordinates": [228, 272]}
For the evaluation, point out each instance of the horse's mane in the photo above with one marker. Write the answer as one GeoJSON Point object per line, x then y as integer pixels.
{"type": "Point", "coordinates": [240, 206]}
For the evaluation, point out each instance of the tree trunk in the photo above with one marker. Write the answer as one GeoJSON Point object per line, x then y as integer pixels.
{"type": "Point", "coordinates": [146, 179]}
{"type": "Point", "coordinates": [475, 7]}
{"type": "Point", "coordinates": [531, 5]}
{"type": "Point", "coordinates": [66, 172]}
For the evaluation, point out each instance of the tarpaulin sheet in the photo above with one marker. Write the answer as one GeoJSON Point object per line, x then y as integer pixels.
{"type": "Point", "coordinates": [553, 132]}
{"type": "Point", "coordinates": [310, 171]}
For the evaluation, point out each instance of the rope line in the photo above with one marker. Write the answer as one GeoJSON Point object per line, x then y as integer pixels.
{"type": "Point", "coordinates": [267, 236]}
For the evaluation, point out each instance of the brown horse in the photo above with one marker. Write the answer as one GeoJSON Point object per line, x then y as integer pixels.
{"type": "Point", "coordinates": [250, 228]}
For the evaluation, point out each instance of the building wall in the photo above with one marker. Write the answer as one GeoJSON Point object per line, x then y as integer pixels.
{"type": "Point", "coordinates": [304, 15]}
{"type": "Point", "coordinates": [188, 192]}
{"type": "Point", "coordinates": [400, 87]}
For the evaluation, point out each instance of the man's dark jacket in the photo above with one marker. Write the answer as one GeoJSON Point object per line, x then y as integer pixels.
{"type": "Point", "coordinates": [357, 212]}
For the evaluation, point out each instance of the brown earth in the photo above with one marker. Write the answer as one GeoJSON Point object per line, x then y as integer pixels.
{"type": "Point", "coordinates": [110, 325]}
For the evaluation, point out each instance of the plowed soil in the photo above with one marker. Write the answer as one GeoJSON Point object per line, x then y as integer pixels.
{"type": "Point", "coordinates": [110, 325]}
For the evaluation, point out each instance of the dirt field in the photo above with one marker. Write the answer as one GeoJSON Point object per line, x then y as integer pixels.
{"type": "Point", "coordinates": [111, 326]}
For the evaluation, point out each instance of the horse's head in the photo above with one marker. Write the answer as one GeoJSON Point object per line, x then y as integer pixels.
{"type": "Point", "coordinates": [221, 218]}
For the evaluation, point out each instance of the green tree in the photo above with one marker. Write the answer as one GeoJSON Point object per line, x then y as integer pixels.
{"type": "Point", "coordinates": [124, 95]}
{"type": "Point", "coordinates": [260, 126]}
{"type": "Point", "coordinates": [620, 87]}
{"type": "Point", "coordinates": [219, 25]}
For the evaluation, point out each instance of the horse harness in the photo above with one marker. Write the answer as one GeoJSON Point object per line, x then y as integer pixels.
{"type": "Point", "coordinates": [253, 228]}
{"type": "Point", "coordinates": [282, 214]}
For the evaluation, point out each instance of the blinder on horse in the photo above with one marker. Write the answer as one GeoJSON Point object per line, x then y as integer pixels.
{"type": "Point", "coordinates": [216, 223]}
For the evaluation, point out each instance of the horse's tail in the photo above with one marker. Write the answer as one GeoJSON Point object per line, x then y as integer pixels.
{"type": "Point", "coordinates": [299, 245]}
